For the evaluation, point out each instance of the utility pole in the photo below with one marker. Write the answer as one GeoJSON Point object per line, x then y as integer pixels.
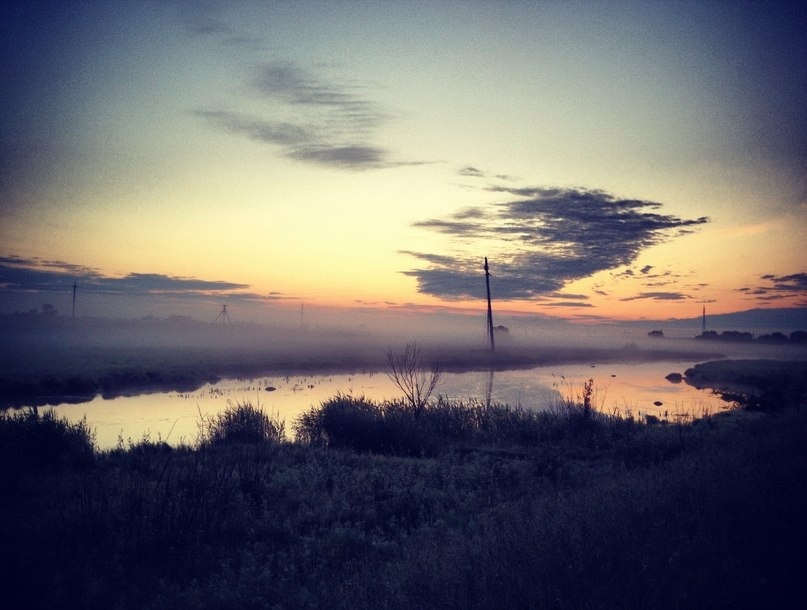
{"type": "Point", "coordinates": [490, 309]}
{"type": "Point", "coordinates": [703, 322]}
{"type": "Point", "coordinates": [74, 299]}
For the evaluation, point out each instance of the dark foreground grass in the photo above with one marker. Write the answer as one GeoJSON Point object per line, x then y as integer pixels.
{"type": "Point", "coordinates": [462, 506]}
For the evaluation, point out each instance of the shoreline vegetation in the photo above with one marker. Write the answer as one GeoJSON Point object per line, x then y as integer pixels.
{"type": "Point", "coordinates": [443, 504]}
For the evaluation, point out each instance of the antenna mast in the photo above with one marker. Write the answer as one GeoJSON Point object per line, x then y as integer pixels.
{"type": "Point", "coordinates": [490, 309]}
{"type": "Point", "coordinates": [225, 317]}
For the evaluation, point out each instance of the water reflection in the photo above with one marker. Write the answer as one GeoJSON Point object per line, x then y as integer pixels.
{"type": "Point", "coordinates": [626, 389]}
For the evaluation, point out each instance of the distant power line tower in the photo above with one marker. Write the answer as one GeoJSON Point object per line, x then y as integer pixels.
{"type": "Point", "coordinates": [223, 316]}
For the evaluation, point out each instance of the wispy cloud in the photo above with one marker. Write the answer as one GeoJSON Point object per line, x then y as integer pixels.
{"type": "Point", "coordinates": [542, 240]}
{"type": "Point", "coordinates": [471, 171]}
{"type": "Point", "coordinates": [202, 18]}
{"type": "Point", "coordinates": [310, 119]}
{"type": "Point", "coordinates": [649, 281]}
{"type": "Point", "coordinates": [658, 296]}
{"type": "Point", "coordinates": [567, 304]}
{"type": "Point", "coordinates": [39, 275]}
{"type": "Point", "coordinates": [797, 282]}
{"type": "Point", "coordinates": [778, 287]}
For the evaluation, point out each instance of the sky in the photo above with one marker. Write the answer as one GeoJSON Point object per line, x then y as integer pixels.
{"type": "Point", "coordinates": [613, 160]}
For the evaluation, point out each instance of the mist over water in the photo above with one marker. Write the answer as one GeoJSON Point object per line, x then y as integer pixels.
{"type": "Point", "coordinates": [159, 376]}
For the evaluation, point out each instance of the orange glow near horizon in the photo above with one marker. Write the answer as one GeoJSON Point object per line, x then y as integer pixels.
{"type": "Point", "coordinates": [258, 161]}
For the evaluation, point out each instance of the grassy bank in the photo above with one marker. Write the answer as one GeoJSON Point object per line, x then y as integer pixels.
{"type": "Point", "coordinates": [376, 505]}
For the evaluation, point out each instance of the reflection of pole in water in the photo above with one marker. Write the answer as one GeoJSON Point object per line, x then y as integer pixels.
{"type": "Point", "coordinates": [490, 387]}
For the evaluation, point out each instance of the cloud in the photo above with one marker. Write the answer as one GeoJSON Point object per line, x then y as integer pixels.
{"type": "Point", "coordinates": [310, 119]}
{"type": "Point", "coordinates": [658, 296]}
{"type": "Point", "coordinates": [38, 275]}
{"type": "Point", "coordinates": [352, 157]}
{"type": "Point", "coordinates": [567, 304]}
{"type": "Point", "coordinates": [271, 132]}
{"type": "Point", "coordinates": [287, 82]}
{"type": "Point", "coordinates": [567, 295]}
{"type": "Point", "coordinates": [471, 171]}
{"type": "Point", "coordinates": [202, 18]}
{"type": "Point", "coordinates": [540, 241]}
{"type": "Point", "coordinates": [15, 267]}
{"type": "Point", "coordinates": [796, 282]}
{"type": "Point", "coordinates": [778, 287]}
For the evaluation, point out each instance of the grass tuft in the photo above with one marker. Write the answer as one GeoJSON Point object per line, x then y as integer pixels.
{"type": "Point", "coordinates": [241, 423]}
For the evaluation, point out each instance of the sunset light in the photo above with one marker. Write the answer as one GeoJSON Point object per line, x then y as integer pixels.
{"type": "Point", "coordinates": [403, 304]}
{"type": "Point", "coordinates": [615, 161]}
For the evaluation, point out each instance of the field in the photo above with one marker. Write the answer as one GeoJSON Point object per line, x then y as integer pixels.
{"type": "Point", "coordinates": [416, 503]}
{"type": "Point", "coordinates": [388, 506]}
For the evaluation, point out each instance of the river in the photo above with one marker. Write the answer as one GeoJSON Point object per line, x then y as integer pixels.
{"type": "Point", "coordinates": [625, 389]}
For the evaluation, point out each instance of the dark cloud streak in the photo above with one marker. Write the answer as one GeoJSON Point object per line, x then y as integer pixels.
{"type": "Point", "coordinates": [37, 275]}
{"type": "Point", "coordinates": [777, 288]}
{"type": "Point", "coordinates": [658, 296]}
{"type": "Point", "coordinates": [326, 123]}
{"type": "Point", "coordinates": [546, 238]}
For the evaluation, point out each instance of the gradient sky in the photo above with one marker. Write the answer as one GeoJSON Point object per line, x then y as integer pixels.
{"type": "Point", "coordinates": [614, 160]}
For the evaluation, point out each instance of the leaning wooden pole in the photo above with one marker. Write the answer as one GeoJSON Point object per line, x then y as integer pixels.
{"type": "Point", "coordinates": [490, 309]}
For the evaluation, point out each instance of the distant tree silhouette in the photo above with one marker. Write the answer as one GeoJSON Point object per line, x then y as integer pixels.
{"type": "Point", "coordinates": [798, 336]}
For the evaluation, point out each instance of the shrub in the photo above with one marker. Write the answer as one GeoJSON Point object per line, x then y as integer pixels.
{"type": "Point", "coordinates": [359, 424]}
{"type": "Point", "coordinates": [32, 441]}
{"type": "Point", "coordinates": [241, 423]}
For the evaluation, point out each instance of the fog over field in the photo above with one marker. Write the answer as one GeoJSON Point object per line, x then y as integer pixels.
{"type": "Point", "coordinates": [47, 358]}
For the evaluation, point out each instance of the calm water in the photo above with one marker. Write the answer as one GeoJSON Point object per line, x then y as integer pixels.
{"type": "Point", "coordinates": [173, 417]}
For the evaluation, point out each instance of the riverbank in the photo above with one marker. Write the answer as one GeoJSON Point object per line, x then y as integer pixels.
{"type": "Point", "coordinates": [760, 384]}
{"type": "Point", "coordinates": [579, 511]}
